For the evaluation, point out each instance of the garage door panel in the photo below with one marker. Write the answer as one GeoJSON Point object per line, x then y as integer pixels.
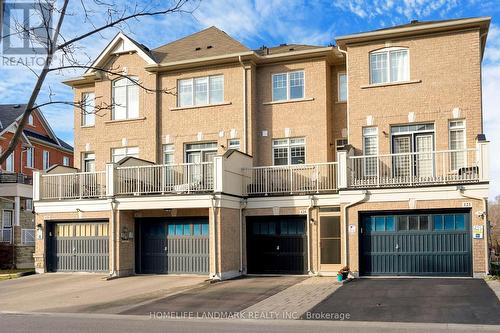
{"type": "Point", "coordinates": [86, 250]}
{"type": "Point", "coordinates": [416, 246]}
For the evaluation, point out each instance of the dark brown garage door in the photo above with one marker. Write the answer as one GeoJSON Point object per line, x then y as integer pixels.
{"type": "Point", "coordinates": [276, 245]}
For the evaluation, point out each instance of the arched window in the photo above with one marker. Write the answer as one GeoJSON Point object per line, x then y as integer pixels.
{"type": "Point", "coordinates": [389, 65]}
{"type": "Point", "coordinates": [30, 120]}
{"type": "Point", "coordinates": [125, 98]}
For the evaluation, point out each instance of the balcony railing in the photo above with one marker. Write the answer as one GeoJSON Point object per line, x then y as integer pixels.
{"type": "Point", "coordinates": [290, 179]}
{"type": "Point", "coordinates": [6, 235]}
{"type": "Point", "coordinates": [12, 177]}
{"type": "Point", "coordinates": [413, 169]}
{"type": "Point", "coordinates": [162, 179]}
{"type": "Point", "coordinates": [79, 185]}
{"type": "Point", "coordinates": [28, 236]}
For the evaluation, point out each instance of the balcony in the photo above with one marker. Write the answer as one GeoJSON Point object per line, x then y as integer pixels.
{"type": "Point", "coordinates": [14, 178]}
{"type": "Point", "coordinates": [290, 179]}
{"type": "Point", "coordinates": [77, 185]}
{"type": "Point", "coordinates": [414, 169]}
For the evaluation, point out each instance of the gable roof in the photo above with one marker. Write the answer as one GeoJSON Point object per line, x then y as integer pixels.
{"type": "Point", "coordinates": [210, 42]}
{"type": "Point", "coordinates": [10, 114]}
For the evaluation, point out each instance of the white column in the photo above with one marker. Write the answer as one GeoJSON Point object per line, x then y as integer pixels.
{"type": "Point", "coordinates": [17, 211]}
{"type": "Point", "coordinates": [483, 159]}
{"type": "Point", "coordinates": [218, 174]}
{"type": "Point", "coordinates": [36, 185]}
{"type": "Point", "coordinates": [342, 171]}
{"type": "Point", "coordinates": [110, 179]}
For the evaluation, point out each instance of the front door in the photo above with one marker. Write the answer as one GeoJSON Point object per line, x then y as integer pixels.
{"type": "Point", "coordinates": [330, 243]}
{"type": "Point", "coordinates": [402, 159]}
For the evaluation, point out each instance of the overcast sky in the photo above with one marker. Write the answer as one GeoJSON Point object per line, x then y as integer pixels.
{"type": "Point", "coordinates": [271, 22]}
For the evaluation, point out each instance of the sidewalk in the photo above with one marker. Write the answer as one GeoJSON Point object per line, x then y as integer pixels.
{"type": "Point", "coordinates": [294, 301]}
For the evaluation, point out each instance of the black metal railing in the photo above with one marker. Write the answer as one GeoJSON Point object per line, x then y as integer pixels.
{"type": "Point", "coordinates": [12, 177]}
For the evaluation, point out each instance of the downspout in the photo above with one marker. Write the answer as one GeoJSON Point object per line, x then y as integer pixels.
{"type": "Point", "coordinates": [243, 205]}
{"type": "Point", "coordinates": [346, 222]}
{"type": "Point", "coordinates": [347, 75]}
{"type": "Point", "coordinates": [113, 272]}
{"type": "Point", "coordinates": [245, 145]}
{"type": "Point", "coordinates": [461, 190]}
{"type": "Point", "coordinates": [308, 221]}
{"type": "Point", "coordinates": [217, 275]}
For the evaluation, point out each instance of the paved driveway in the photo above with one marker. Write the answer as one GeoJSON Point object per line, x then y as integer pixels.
{"type": "Point", "coordinates": [57, 292]}
{"type": "Point", "coordinates": [463, 301]}
{"type": "Point", "coordinates": [229, 296]}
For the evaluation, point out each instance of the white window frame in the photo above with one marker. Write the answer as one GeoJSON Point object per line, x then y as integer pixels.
{"type": "Point", "coordinates": [88, 116]}
{"type": "Point", "coordinates": [339, 99]}
{"type": "Point", "coordinates": [31, 121]}
{"type": "Point", "coordinates": [130, 82]}
{"type": "Point", "coordinates": [191, 80]}
{"type": "Point", "coordinates": [87, 156]}
{"type": "Point", "coordinates": [65, 161]}
{"type": "Point", "coordinates": [30, 154]}
{"type": "Point", "coordinates": [234, 144]}
{"type": "Point", "coordinates": [170, 150]}
{"type": "Point", "coordinates": [365, 135]}
{"type": "Point", "coordinates": [10, 162]}
{"type": "Point", "coordinates": [28, 204]}
{"type": "Point", "coordinates": [463, 127]}
{"type": "Point", "coordinates": [127, 153]}
{"type": "Point", "coordinates": [11, 211]}
{"type": "Point", "coordinates": [45, 160]}
{"type": "Point", "coordinates": [388, 51]}
{"type": "Point", "coordinates": [289, 146]}
{"type": "Point", "coordinates": [288, 86]}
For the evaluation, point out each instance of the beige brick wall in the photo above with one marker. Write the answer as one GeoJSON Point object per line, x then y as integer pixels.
{"type": "Point", "coordinates": [478, 245]}
{"type": "Point", "coordinates": [229, 239]}
{"type": "Point", "coordinates": [448, 66]}
{"type": "Point", "coordinates": [107, 134]}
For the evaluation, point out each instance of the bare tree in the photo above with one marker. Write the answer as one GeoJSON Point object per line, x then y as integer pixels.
{"type": "Point", "coordinates": [49, 38]}
{"type": "Point", "coordinates": [494, 217]}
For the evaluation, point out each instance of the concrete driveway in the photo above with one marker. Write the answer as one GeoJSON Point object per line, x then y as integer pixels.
{"type": "Point", "coordinates": [79, 292]}
{"type": "Point", "coordinates": [460, 301]}
{"type": "Point", "coordinates": [229, 296]}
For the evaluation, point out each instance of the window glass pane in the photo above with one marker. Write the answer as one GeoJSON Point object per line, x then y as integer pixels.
{"type": "Point", "coordinates": [424, 222]}
{"type": "Point", "coordinates": [88, 117]}
{"type": "Point", "coordinates": [378, 67]}
{"type": "Point", "coordinates": [379, 223]}
{"type": "Point", "coordinates": [280, 156]}
{"type": "Point", "coordinates": [272, 228]}
{"type": "Point", "coordinates": [399, 65]}
{"type": "Point", "coordinates": [216, 89]}
{"type": "Point", "coordinates": [389, 223]}
{"type": "Point", "coordinates": [171, 229]}
{"type": "Point", "coordinates": [132, 101]}
{"type": "Point", "coordinates": [298, 155]}
{"type": "Point", "coordinates": [413, 222]}
{"type": "Point", "coordinates": [187, 229]}
{"type": "Point", "coordinates": [234, 144]}
{"type": "Point", "coordinates": [204, 229]}
{"type": "Point", "coordinates": [369, 223]}
{"type": "Point", "coordinates": [459, 222]}
{"type": "Point", "coordinates": [284, 228]}
{"type": "Point", "coordinates": [300, 229]}
{"type": "Point", "coordinates": [179, 229]}
{"type": "Point", "coordinates": [279, 87]}
{"type": "Point", "coordinates": [449, 222]}
{"type": "Point", "coordinates": [296, 85]}
{"type": "Point", "coordinates": [342, 87]}
{"type": "Point", "coordinates": [402, 223]}
{"type": "Point", "coordinates": [201, 91]}
{"type": "Point", "coordinates": [185, 92]}
{"type": "Point", "coordinates": [438, 222]}
{"type": "Point", "coordinates": [119, 102]}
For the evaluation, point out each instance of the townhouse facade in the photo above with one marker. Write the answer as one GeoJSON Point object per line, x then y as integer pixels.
{"type": "Point", "coordinates": [220, 160]}
{"type": "Point", "coordinates": [38, 149]}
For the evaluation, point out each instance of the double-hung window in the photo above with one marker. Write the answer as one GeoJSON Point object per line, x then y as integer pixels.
{"type": "Point", "coordinates": [88, 162]}
{"type": "Point", "coordinates": [46, 160]}
{"type": "Point", "coordinates": [389, 65]}
{"type": "Point", "coordinates": [457, 144]}
{"type": "Point", "coordinates": [118, 154]}
{"type": "Point", "coordinates": [289, 151]}
{"type": "Point", "coordinates": [200, 91]}
{"type": "Point", "coordinates": [287, 86]}
{"type": "Point", "coordinates": [88, 106]}
{"type": "Point", "coordinates": [370, 147]}
{"type": "Point", "coordinates": [65, 160]}
{"type": "Point", "coordinates": [125, 98]}
{"type": "Point", "coordinates": [168, 154]}
{"type": "Point", "coordinates": [29, 157]}
{"type": "Point", "coordinates": [342, 87]}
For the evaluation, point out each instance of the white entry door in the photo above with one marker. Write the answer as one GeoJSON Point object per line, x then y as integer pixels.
{"type": "Point", "coordinates": [423, 158]}
{"type": "Point", "coordinates": [402, 160]}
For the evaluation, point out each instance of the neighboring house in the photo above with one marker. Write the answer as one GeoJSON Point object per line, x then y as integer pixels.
{"type": "Point", "coordinates": [38, 149]}
{"type": "Point", "coordinates": [294, 159]}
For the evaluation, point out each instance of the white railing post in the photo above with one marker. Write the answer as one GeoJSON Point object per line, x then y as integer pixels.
{"type": "Point", "coordinates": [36, 186]}
{"type": "Point", "coordinates": [483, 159]}
{"type": "Point", "coordinates": [110, 179]}
{"type": "Point", "coordinates": [342, 169]}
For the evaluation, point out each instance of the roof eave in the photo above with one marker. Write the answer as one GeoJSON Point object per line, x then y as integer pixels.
{"type": "Point", "coordinates": [479, 22]}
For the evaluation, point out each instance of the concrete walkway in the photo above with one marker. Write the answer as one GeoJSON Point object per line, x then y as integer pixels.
{"type": "Point", "coordinates": [296, 300]}
{"type": "Point", "coordinates": [495, 286]}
